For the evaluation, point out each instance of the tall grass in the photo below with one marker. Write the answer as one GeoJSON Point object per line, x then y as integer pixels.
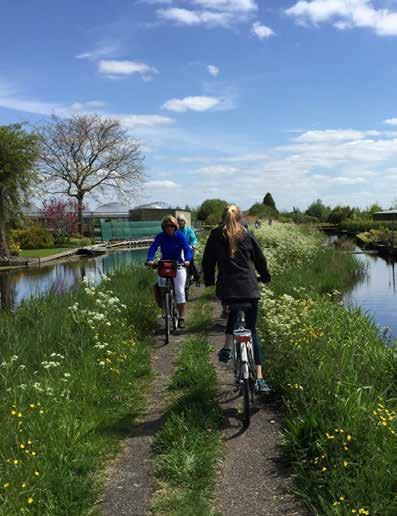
{"type": "Point", "coordinates": [338, 380]}
{"type": "Point", "coordinates": [187, 447]}
{"type": "Point", "coordinates": [71, 376]}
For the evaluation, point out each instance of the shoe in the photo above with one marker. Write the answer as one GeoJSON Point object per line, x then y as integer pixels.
{"type": "Point", "coordinates": [262, 387]}
{"type": "Point", "coordinates": [224, 355]}
{"type": "Point", "coordinates": [181, 323]}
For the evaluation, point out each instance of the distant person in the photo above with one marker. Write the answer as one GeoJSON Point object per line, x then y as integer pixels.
{"type": "Point", "coordinates": [270, 222]}
{"type": "Point", "coordinates": [173, 246]}
{"type": "Point", "coordinates": [235, 253]}
{"type": "Point", "coordinates": [191, 237]}
{"type": "Point", "coordinates": [257, 223]}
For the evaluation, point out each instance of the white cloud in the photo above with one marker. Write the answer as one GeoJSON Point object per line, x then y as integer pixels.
{"type": "Point", "coordinates": [391, 121]}
{"type": "Point", "coordinates": [213, 70]}
{"type": "Point", "coordinates": [228, 5]}
{"type": "Point", "coordinates": [159, 184]}
{"type": "Point", "coordinates": [135, 121]}
{"type": "Point", "coordinates": [100, 51]}
{"type": "Point", "coordinates": [114, 68]}
{"type": "Point", "coordinates": [334, 135]}
{"type": "Point", "coordinates": [346, 14]}
{"type": "Point", "coordinates": [191, 103]}
{"type": "Point", "coordinates": [217, 170]}
{"type": "Point", "coordinates": [261, 31]}
{"type": "Point", "coordinates": [189, 17]}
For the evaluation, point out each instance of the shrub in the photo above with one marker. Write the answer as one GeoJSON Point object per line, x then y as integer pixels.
{"type": "Point", "coordinates": [33, 237]}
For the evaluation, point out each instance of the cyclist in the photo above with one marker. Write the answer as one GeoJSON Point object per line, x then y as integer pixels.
{"type": "Point", "coordinates": [172, 242]}
{"type": "Point", "coordinates": [191, 237]}
{"type": "Point", "coordinates": [236, 254]}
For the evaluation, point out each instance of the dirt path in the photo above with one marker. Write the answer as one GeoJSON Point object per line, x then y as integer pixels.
{"type": "Point", "coordinates": [131, 481]}
{"type": "Point", "coordinates": [252, 478]}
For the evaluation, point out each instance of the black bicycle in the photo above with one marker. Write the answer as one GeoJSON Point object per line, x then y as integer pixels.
{"type": "Point", "coordinates": [167, 269]}
{"type": "Point", "coordinates": [243, 361]}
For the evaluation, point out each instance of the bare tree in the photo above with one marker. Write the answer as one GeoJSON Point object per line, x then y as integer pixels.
{"type": "Point", "coordinates": [89, 154]}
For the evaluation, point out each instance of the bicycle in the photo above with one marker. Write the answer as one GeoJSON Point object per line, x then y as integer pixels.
{"type": "Point", "coordinates": [167, 269]}
{"type": "Point", "coordinates": [243, 361]}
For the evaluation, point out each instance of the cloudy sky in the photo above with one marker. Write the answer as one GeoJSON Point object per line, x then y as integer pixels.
{"type": "Point", "coordinates": [230, 98]}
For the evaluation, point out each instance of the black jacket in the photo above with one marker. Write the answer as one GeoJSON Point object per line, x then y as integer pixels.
{"type": "Point", "coordinates": [237, 278]}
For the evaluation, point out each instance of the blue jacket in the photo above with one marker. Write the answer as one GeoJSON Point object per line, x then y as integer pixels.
{"type": "Point", "coordinates": [171, 247]}
{"type": "Point", "coordinates": [190, 235]}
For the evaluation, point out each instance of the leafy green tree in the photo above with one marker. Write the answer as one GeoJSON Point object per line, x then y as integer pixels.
{"type": "Point", "coordinates": [260, 210]}
{"type": "Point", "coordinates": [211, 206]}
{"type": "Point", "coordinates": [19, 152]}
{"type": "Point", "coordinates": [340, 214]}
{"type": "Point", "coordinates": [269, 201]}
{"type": "Point", "coordinates": [318, 210]}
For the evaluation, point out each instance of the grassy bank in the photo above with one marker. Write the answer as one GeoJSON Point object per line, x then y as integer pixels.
{"type": "Point", "coordinates": [188, 445]}
{"type": "Point", "coordinates": [337, 377]}
{"type": "Point", "coordinates": [71, 377]}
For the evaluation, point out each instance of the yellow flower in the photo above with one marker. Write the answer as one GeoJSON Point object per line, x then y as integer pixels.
{"type": "Point", "coordinates": [349, 438]}
{"type": "Point", "coordinates": [41, 411]}
{"type": "Point", "coordinates": [15, 461]}
{"type": "Point", "coordinates": [13, 412]}
{"type": "Point", "coordinates": [329, 436]}
{"type": "Point", "coordinates": [32, 406]}
{"type": "Point", "coordinates": [23, 485]}
{"type": "Point", "coordinates": [22, 446]}
{"type": "Point", "coordinates": [336, 503]}
{"type": "Point", "coordinates": [345, 463]}
{"type": "Point", "coordinates": [354, 510]}
{"type": "Point", "coordinates": [324, 469]}
{"type": "Point", "coordinates": [363, 511]}
{"type": "Point", "coordinates": [29, 441]}
{"type": "Point", "coordinates": [7, 484]}
{"type": "Point", "coordinates": [36, 473]}
{"type": "Point", "coordinates": [341, 498]}
{"type": "Point", "coordinates": [33, 454]}
{"type": "Point", "coordinates": [19, 414]}
{"type": "Point", "coordinates": [30, 500]}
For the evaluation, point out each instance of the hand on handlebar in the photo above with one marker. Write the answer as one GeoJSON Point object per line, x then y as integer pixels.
{"type": "Point", "coordinates": [149, 264]}
{"type": "Point", "coordinates": [187, 264]}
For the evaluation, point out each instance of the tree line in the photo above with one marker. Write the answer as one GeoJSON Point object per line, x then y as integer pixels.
{"type": "Point", "coordinates": [75, 157]}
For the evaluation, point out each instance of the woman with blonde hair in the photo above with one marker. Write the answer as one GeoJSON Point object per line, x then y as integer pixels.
{"type": "Point", "coordinates": [237, 256]}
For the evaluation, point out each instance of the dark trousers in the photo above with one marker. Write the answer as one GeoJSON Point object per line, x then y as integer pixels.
{"type": "Point", "coordinates": [193, 270]}
{"type": "Point", "coordinates": [251, 316]}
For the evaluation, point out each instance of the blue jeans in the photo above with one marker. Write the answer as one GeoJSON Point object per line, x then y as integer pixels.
{"type": "Point", "coordinates": [251, 316]}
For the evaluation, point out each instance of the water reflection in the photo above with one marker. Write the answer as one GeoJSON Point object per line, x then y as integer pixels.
{"type": "Point", "coordinates": [377, 293]}
{"type": "Point", "coordinates": [21, 284]}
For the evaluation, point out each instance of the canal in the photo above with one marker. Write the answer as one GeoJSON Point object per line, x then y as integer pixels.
{"type": "Point", "coordinates": [59, 277]}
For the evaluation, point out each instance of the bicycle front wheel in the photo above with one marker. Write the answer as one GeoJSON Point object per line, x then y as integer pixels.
{"type": "Point", "coordinates": [167, 317]}
{"type": "Point", "coordinates": [174, 313]}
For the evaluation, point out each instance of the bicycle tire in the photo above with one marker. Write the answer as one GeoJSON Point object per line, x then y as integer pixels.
{"type": "Point", "coordinates": [247, 410]}
{"type": "Point", "coordinates": [252, 372]}
{"type": "Point", "coordinates": [167, 317]}
{"type": "Point", "coordinates": [174, 313]}
{"type": "Point", "coordinates": [187, 288]}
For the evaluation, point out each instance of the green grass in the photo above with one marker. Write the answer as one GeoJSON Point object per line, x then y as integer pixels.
{"type": "Point", "coordinates": [187, 447]}
{"type": "Point", "coordinates": [71, 386]}
{"type": "Point", "coordinates": [41, 253]}
{"type": "Point", "coordinates": [338, 381]}
{"type": "Point", "coordinates": [201, 316]}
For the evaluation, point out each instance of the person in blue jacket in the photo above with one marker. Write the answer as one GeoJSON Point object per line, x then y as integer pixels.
{"type": "Point", "coordinates": [191, 237]}
{"type": "Point", "coordinates": [173, 246]}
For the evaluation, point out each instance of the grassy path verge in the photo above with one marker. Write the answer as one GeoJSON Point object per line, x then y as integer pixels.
{"type": "Point", "coordinates": [187, 448]}
{"type": "Point", "coordinates": [337, 378]}
{"type": "Point", "coordinates": [71, 376]}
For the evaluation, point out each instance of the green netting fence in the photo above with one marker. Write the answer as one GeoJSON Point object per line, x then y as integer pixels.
{"type": "Point", "coordinates": [126, 230]}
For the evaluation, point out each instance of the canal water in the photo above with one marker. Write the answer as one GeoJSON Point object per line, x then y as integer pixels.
{"type": "Point", "coordinates": [376, 294]}
{"type": "Point", "coordinates": [59, 277]}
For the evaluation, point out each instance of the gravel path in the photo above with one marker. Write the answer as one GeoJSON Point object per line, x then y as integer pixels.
{"type": "Point", "coordinates": [252, 479]}
{"type": "Point", "coordinates": [131, 482]}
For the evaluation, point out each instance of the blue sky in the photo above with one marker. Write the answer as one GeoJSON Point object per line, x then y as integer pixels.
{"type": "Point", "coordinates": [229, 98]}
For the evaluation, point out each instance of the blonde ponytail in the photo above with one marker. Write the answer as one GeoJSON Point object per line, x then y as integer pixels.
{"type": "Point", "coordinates": [232, 228]}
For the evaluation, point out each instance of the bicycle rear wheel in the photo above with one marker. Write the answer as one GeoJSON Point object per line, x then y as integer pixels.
{"type": "Point", "coordinates": [247, 409]}
{"type": "Point", "coordinates": [167, 317]}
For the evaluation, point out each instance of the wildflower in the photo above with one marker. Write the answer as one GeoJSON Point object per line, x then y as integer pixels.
{"type": "Point", "coordinates": [19, 414]}
{"type": "Point", "coordinates": [363, 511]}
{"type": "Point", "coordinates": [349, 438]}
{"type": "Point", "coordinates": [329, 436]}
{"type": "Point", "coordinates": [32, 406]}
{"type": "Point", "coordinates": [345, 463]}
{"type": "Point", "coordinates": [30, 441]}
{"type": "Point", "coordinates": [324, 469]}
{"type": "Point", "coordinates": [13, 412]}
{"type": "Point", "coordinates": [34, 453]}
{"type": "Point", "coordinates": [22, 446]}
{"type": "Point", "coordinates": [341, 498]}
{"type": "Point", "coordinates": [23, 485]}
{"type": "Point", "coordinates": [37, 473]}
{"type": "Point", "coordinates": [15, 462]}
{"type": "Point", "coordinates": [6, 485]}
{"type": "Point", "coordinates": [30, 500]}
